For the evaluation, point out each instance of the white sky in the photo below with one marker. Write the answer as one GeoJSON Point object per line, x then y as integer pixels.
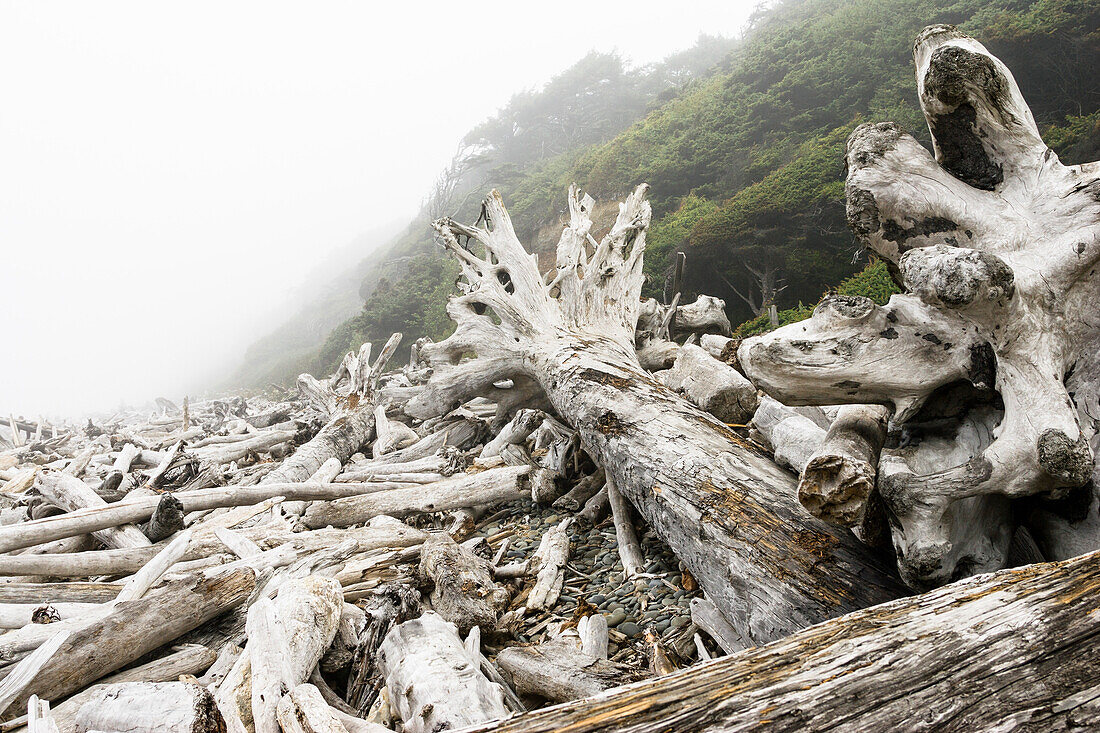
{"type": "Point", "coordinates": [169, 172]}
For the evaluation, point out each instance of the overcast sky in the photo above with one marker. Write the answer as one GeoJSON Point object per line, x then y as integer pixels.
{"type": "Point", "coordinates": [170, 171]}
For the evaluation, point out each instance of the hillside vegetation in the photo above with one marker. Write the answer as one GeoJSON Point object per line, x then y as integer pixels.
{"type": "Point", "coordinates": [742, 145]}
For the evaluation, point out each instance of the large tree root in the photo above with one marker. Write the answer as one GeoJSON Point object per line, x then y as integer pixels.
{"type": "Point", "coordinates": [726, 510]}
{"type": "Point", "coordinates": [995, 242]}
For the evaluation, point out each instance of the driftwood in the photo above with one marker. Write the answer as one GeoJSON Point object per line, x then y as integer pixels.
{"type": "Point", "coordinates": [840, 475]}
{"type": "Point", "coordinates": [463, 590]}
{"type": "Point", "coordinates": [700, 486]}
{"type": "Point", "coordinates": [432, 682]}
{"type": "Point", "coordinates": [172, 707]}
{"type": "Point", "coordinates": [985, 304]}
{"type": "Point", "coordinates": [136, 627]}
{"type": "Point", "coordinates": [477, 489]}
{"type": "Point", "coordinates": [351, 421]}
{"type": "Point", "coordinates": [711, 385]}
{"type": "Point", "coordinates": [962, 658]}
{"type": "Point", "coordinates": [548, 565]}
{"type": "Point", "coordinates": [561, 671]}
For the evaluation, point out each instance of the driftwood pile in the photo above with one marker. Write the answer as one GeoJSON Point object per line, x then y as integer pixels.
{"type": "Point", "coordinates": [319, 561]}
{"type": "Point", "coordinates": [420, 549]}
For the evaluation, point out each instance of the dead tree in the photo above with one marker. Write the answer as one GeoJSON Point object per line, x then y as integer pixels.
{"type": "Point", "coordinates": [1010, 651]}
{"type": "Point", "coordinates": [996, 243]}
{"type": "Point", "coordinates": [725, 509]}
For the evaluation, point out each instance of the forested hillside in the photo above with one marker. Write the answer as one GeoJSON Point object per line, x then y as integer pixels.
{"type": "Point", "coordinates": [742, 145]}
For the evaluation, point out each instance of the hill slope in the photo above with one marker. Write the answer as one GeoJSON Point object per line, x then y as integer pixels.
{"type": "Point", "coordinates": [743, 148]}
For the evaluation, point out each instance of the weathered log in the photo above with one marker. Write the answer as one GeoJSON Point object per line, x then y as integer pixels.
{"type": "Point", "coordinates": [558, 670]}
{"type": "Point", "coordinates": [167, 519]}
{"type": "Point", "coordinates": [516, 430]}
{"type": "Point", "coordinates": [467, 490]}
{"type": "Point", "coordinates": [303, 710]}
{"type": "Point", "coordinates": [149, 707]}
{"type": "Point", "coordinates": [27, 534]}
{"type": "Point", "coordinates": [792, 436]}
{"type": "Point", "coordinates": [707, 617]}
{"type": "Point", "coordinates": [840, 475]}
{"type": "Point", "coordinates": [626, 535]}
{"type": "Point", "coordinates": [711, 385]}
{"type": "Point", "coordinates": [388, 606]}
{"type": "Point", "coordinates": [727, 511]}
{"type": "Point", "coordinates": [578, 496]}
{"type": "Point", "coordinates": [391, 435]}
{"type": "Point", "coordinates": [593, 632]}
{"type": "Point", "coordinates": [59, 592]}
{"type": "Point", "coordinates": [136, 627]}
{"type": "Point", "coordinates": [1011, 650]}
{"type": "Point", "coordinates": [706, 315]}
{"type": "Point", "coordinates": [287, 639]}
{"type": "Point", "coordinates": [463, 590]}
{"type": "Point", "coordinates": [189, 659]}
{"type": "Point", "coordinates": [432, 682]}
{"type": "Point", "coordinates": [70, 494]}
{"type": "Point", "coordinates": [548, 564]}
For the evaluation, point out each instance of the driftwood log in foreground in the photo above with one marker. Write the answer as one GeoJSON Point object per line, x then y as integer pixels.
{"type": "Point", "coordinates": [995, 242]}
{"type": "Point", "coordinates": [728, 512]}
{"type": "Point", "coordinates": [1013, 650]}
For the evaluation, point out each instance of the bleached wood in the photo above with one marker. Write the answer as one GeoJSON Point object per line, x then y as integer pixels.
{"type": "Point", "coordinates": [70, 494]}
{"type": "Point", "coordinates": [463, 590]}
{"type": "Point", "coordinates": [792, 437]}
{"type": "Point", "coordinates": [136, 627]}
{"type": "Point", "coordinates": [994, 240]}
{"type": "Point", "coordinates": [593, 632]}
{"type": "Point", "coordinates": [204, 544]}
{"type": "Point", "coordinates": [27, 534]}
{"type": "Point", "coordinates": [626, 535]}
{"type": "Point", "coordinates": [584, 490]}
{"type": "Point", "coordinates": [707, 617]}
{"type": "Point", "coordinates": [839, 477]}
{"type": "Point", "coordinates": [466, 490]}
{"type": "Point", "coordinates": [712, 385]}
{"type": "Point", "coordinates": [189, 659]}
{"type": "Point", "coordinates": [548, 564]}
{"type": "Point", "coordinates": [303, 710]}
{"type": "Point", "coordinates": [433, 685]}
{"type": "Point", "coordinates": [559, 671]}
{"type": "Point", "coordinates": [1011, 650]}
{"type": "Point", "coordinates": [351, 424]}
{"type": "Point", "coordinates": [149, 707]}
{"type": "Point", "coordinates": [516, 430]}
{"type": "Point", "coordinates": [23, 674]}
{"type": "Point", "coordinates": [711, 496]}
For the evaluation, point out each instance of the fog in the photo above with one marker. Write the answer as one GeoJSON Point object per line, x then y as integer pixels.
{"type": "Point", "coordinates": [171, 173]}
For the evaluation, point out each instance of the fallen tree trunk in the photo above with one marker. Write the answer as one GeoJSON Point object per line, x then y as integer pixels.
{"type": "Point", "coordinates": [840, 476]}
{"type": "Point", "coordinates": [28, 534]}
{"type": "Point", "coordinates": [1012, 650]}
{"type": "Point", "coordinates": [463, 592]}
{"type": "Point", "coordinates": [727, 511]}
{"type": "Point", "coordinates": [70, 494]}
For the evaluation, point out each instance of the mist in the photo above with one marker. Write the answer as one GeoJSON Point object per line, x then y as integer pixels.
{"type": "Point", "coordinates": [172, 176]}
